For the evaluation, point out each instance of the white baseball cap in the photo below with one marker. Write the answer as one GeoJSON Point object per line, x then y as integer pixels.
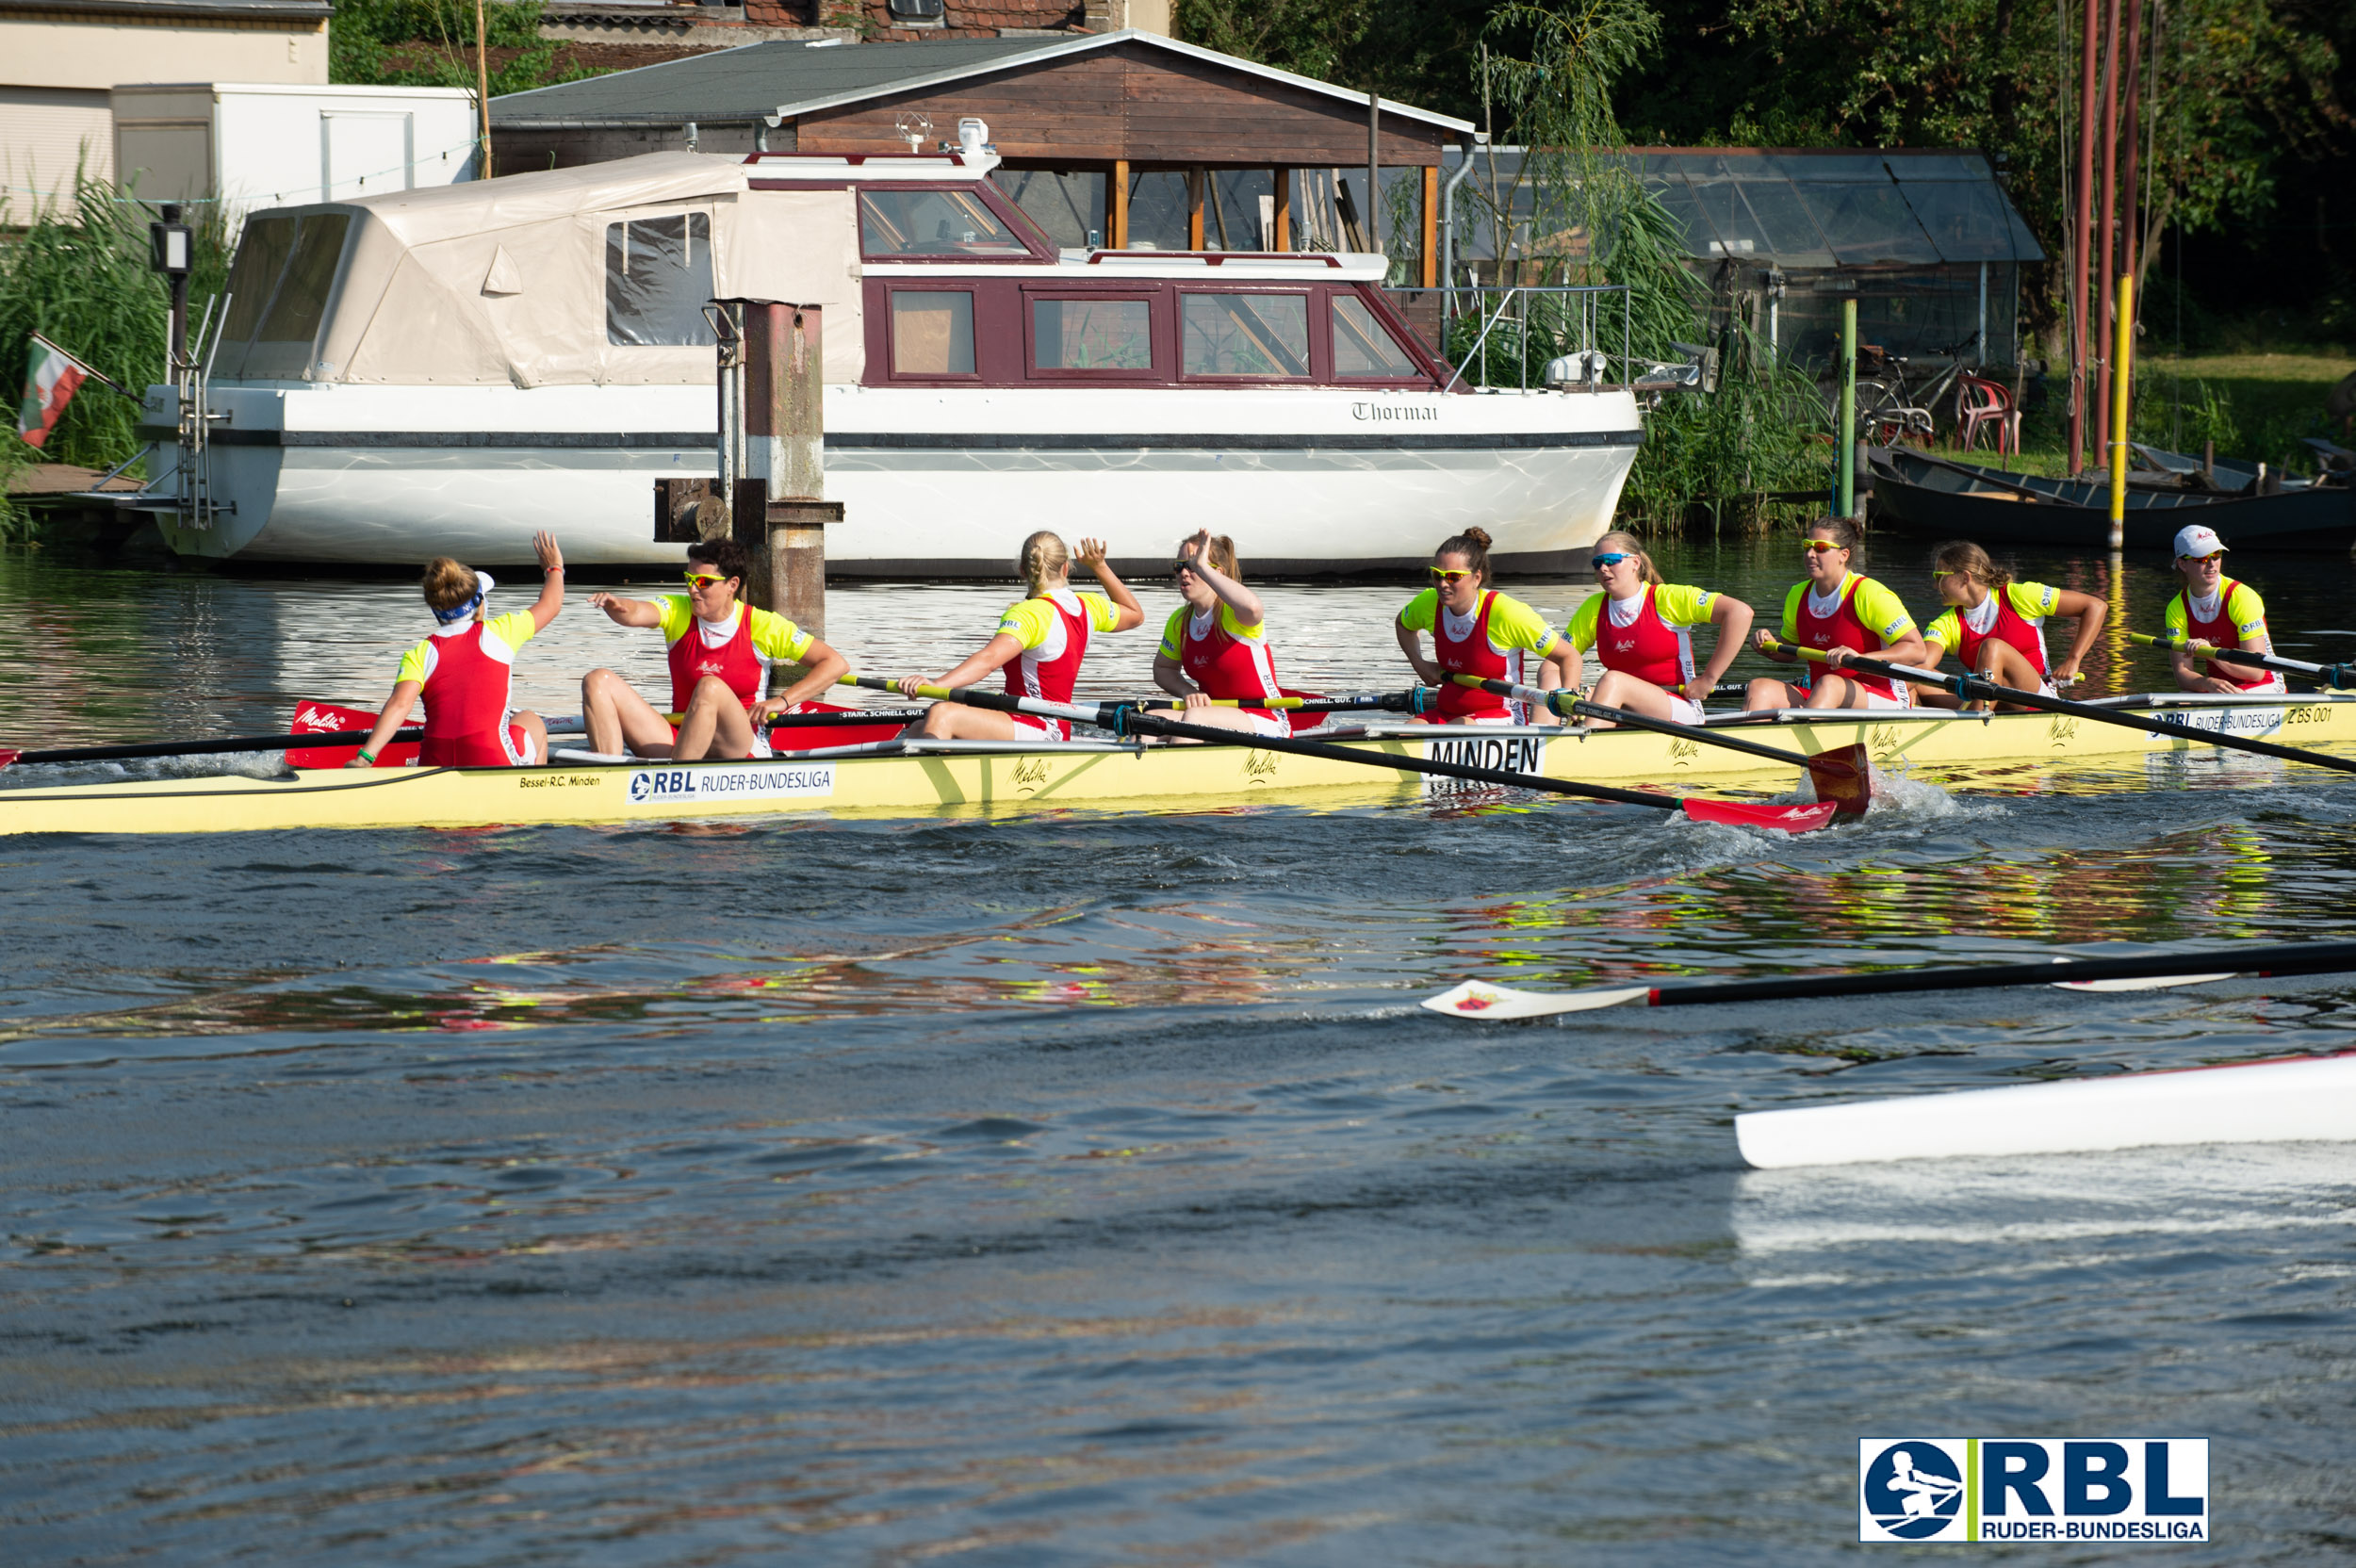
{"type": "Point", "coordinates": [2198, 539]}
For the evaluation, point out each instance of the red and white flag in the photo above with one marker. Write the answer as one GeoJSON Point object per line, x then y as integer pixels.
{"type": "Point", "coordinates": [52, 377]}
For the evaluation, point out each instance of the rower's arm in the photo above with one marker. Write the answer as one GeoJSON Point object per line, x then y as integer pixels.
{"type": "Point", "coordinates": [551, 597]}
{"type": "Point", "coordinates": [1170, 676]}
{"type": "Point", "coordinates": [1132, 613]}
{"type": "Point", "coordinates": [821, 666]}
{"type": "Point", "coordinates": [1411, 644]}
{"type": "Point", "coordinates": [2091, 613]}
{"type": "Point", "coordinates": [1732, 617]}
{"type": "Point", "coordinates": [390, 718]}
{"type": "Point", "coordinates": [993, 655]}
{"type": "Point", "coordinates": [627, 612]}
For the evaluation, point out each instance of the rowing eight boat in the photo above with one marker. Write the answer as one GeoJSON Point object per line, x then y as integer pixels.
{"type": "Point", "coordinates": [906, 778]}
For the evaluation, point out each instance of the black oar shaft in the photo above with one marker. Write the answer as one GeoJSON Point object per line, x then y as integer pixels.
{"type": "Point", "coordinates": [2257, 961]}
{"type": "Point", "coordinates": [1972, 688]}
{"type": "Point", "coordinates": [1568, 704]}
{"type": "Point", "coordinates": [206, 749]}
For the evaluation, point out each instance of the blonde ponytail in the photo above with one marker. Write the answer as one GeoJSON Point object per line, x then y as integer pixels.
{"type": "Point", "coordinates": [1044, 558]}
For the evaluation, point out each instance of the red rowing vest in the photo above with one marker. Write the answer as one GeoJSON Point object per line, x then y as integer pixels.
{"type": "Point", "coordinates": [1030, 674]}
{"type": "Point", "coordinates": [466, 703]}
{"type": "Point", "coordinates": [1224, 664]}
{"type": "Point", "coordinates": [2010, 627]}
{"type": "Point", "coordinates": [1840, 630]}
{"type": "Point", "coordinates": [1648, 649]}
{"type": "Point", "coordinates": [2221, 633]}
{"type": "Point", "coordinates": [1472, 655]}
{"type": "Point", "coordinates": [734, 662]}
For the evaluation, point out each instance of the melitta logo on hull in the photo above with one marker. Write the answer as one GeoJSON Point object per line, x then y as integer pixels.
{"type": "Point", "coordinates": [752, 782]}
{"type": "Point", "coordinates": [1951, 1489]}
{"type": "Point", "coordinates": [1505, 754]}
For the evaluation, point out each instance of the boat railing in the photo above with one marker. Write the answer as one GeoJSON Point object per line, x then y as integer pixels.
{"type": "Point", "coordinates": [1511, 325]}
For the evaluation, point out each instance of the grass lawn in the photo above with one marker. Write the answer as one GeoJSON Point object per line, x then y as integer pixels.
{"type": "Point", "coordinates": [2255, 407]}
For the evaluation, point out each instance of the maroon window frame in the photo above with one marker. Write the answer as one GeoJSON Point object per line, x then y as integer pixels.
{"type": "Point", "coordinates": [1160, 336]}
{"type": "Point", "coordinates": [1038, 248]}
{"type": "Point", "coordinates": [1321, 365]}
{"type": "Point", "coordinates": [879, 334]}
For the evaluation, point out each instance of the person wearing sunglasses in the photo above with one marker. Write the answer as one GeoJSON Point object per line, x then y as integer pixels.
{"type": "Point", "coordinates": [2216, 611]}
{"type": "Point", "coordinates": [465, 670]}
{"type": "Point", "coordinates": [1214, 644]}
{"type": "Point", "coordinates": [721, 654]}
{"type": "Point", "coordinates": [1996, 625]}
{"type": "Point", "coordinates": [1641, 629]}
{"type": "Point", "coordinates": [1843, 614]}
{"type": "Point", "coordinates": [1477, 630]}
{"type": "Point", "coordinates": [1039, 644]}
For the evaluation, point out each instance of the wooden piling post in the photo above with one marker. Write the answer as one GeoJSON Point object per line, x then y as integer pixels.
{"type": "Point", "coordinates": [1848, 409]}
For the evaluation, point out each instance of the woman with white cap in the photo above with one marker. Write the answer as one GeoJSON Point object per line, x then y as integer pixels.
{"type": "Point", "coordinates": [466, 672]}
{"type": "Point", "coordinates": [2213, 611]}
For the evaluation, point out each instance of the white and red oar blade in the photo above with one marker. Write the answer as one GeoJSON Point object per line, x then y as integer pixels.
{"type": "Point", "coordinates": [8, 756]}
{"type": "Point", "coordinates": [2141, 983]}
{"type": "Point", "coordinates": [1844, 776]}
{"type": "Point", "coordinates": [1473, 999]}
{"type": "Point", "coordinates": [326, 718]}
{"type": "Point", "coordinates": [1775, 819]}
{"type": "Point", "coordinates": [2297, 1099]}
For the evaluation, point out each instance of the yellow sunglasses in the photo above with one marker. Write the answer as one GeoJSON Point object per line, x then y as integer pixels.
{"type": "Point", "coordinates": [1450, 574]}
{"type": "Point", "coordinates": [1822, 545]}
{"type": "Point", "coordinates": [702, 580]}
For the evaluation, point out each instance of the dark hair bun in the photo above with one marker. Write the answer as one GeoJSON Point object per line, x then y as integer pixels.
{"type": "Point", "coordinates": [1479, 536]}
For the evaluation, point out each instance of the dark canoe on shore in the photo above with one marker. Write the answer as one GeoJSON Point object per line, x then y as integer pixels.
{"type": "Point", "coordinates": [1935, 496]}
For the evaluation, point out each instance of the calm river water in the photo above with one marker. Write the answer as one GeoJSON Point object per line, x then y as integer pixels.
{"type": "Point", "coordinates": [1088, 1189]}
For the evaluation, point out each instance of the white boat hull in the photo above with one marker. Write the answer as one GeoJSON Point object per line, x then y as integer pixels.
{"type": "Point", "coordinates": [934, 483]}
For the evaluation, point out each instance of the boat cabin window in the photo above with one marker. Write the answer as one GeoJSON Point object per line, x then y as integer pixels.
{"type": "Point", "coordinates": [1263, 336]}
{"type": "Point", "coordinates": [932, 331]}
{"type": "Point", "coordinates": [1362, 347]}
{"type": "Point", "coordinates": [285, 270]}
{"type": "Point", "coordinates": [1095, 334]}
{"type": "Point", "coordinates": [657, 274]}
{"type": "Point", "coordinates": [932, 223]}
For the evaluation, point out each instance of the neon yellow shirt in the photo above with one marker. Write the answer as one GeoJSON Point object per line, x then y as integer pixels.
{"type": "Point", "coordinates": [502, 636]}
{"type": "Point", "coordinates": [1513, 625]}
{"type": "Point", "coordinates": [2243, 607]}
{"type": "Point", "coordinates": [2031, 601]}
{"type": "Point", "coordinates": [1034, 622]}
{"type": "Point", "coordinates": [1174, 630]}
{"type": "Point", "coordinates": [1673, 602]}
{"type": "Point", "coordinates": [1877, 608]}
{"type": "Point", "coordinates": [777, 640]}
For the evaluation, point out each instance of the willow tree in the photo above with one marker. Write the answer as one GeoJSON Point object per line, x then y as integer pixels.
{"type": "Point", "coordinates": [1547, 71]}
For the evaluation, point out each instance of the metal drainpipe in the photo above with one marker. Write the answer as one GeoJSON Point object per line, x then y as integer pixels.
{"type": "Point", "coordinates": [1448, 225]}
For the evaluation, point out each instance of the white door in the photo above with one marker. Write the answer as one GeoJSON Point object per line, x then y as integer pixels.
{"type": "Point", "coordinates": [363, 153]}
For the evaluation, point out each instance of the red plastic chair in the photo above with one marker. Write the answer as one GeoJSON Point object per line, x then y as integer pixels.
{"type": "Point", "coordinates": [1980, 403]}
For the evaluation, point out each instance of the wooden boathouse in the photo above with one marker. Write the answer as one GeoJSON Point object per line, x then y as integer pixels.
{"type": "Point", "coordinates": [1124, 140]}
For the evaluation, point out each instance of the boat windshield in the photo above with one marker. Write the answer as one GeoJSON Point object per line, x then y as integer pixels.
{"type": "Point", "coordinates": [279, 285]}
{"type": "Point", "coordinates": [932, 223]}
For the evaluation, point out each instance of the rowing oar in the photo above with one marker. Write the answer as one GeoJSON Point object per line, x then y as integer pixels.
{"type": "Point", "coordinates": [9, 758]}
{"type": "Point", "coordinates": [1972, 688]}
{"type": "Point", "coordinates": [1123, 719]}
{"type": "Point", "coordinates": [1473, 999]}
{"type": "Point", "coordinates": [1844, 775]}
{"type": "Point", "coordinates": [1414, 701]}
{"type": "Point", "coordinates": [2341, 676]}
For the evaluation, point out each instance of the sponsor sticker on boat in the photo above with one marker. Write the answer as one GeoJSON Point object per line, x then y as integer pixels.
{"type": "Point", "coordinates": [2153, 1490]}
{"type": "Point", "coordinates": [714, 785]}
{"type": "Point", "coordinates": [1500, 754]}
{"type": "Point", "coordinates": [2227, 720]}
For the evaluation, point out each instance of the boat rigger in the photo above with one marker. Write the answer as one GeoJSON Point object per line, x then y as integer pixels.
{"type": "Point", "coordinates": [915, 778]}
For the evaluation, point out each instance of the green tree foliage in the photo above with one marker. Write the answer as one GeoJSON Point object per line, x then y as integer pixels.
{"type": "Point", "coordinates": [431, 44]}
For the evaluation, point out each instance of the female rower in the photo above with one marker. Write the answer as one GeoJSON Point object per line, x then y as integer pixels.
{"type": "Point", "coordinates": [1640, 629]}
{"type": "Point", "coordinates": [720, 652]}
{"type": "Point", "coordinates": [1039, 644]}
{"type": "Point", "coordinates": [466, 669]}
{"type": "Point", "coordinates": [2214, 611]}
{"type": "Point", "coordinates": [1215, 645]}
{"type": "Point", "coordinates": [1996, 625]}
{"type": "Point", "coordinates": [1477, 630]}
{"type": "Point", "coordinates": [1836, 610]}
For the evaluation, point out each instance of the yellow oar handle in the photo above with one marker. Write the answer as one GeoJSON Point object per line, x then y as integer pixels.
{"type": "Point", "coordinates": [1774, 644]}
{"type": "Point", "coordinates": [2174, 645]}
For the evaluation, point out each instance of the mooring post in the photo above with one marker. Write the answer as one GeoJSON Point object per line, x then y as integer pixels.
{"type": "Point", "coordinates": [2122, 364]}
{"type": "Point", "coordinates": [1847, 507]}
{"type": "Point", "coordinates": [785, 455]}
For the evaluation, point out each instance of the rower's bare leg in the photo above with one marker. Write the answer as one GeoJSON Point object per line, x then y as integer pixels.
{"type": "Point", "coordinates": [715, 725]}
{"type": "Point", "coordinates": [1766, 693]}
{"type": "Point", "coordinates": [618, 717]}
{"type": "Point", "coordinates": [1619, 689]}
{"type": "Point", "coordinates": [1836, 690]}
{"type": "Point", "coordinates": [535, 731]}
{"type": "Point", "coordinates": [1215, 718]}
{"type": "Point", "coordinates": [2007, 665]}
{"type": "Point", "coordinates": [954, 721]}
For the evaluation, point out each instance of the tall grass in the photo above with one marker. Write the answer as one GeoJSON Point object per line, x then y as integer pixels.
{"type": "Point", "coordinates": [83, 282]}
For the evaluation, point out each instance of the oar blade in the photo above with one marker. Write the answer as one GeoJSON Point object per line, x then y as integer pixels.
{"type": "Point", "coordinates": [1496, 1004]}
{"type": "Point", "coordinates": [1844, 776]}
{"type": "Point", "coordinates": [1790, 818]}
{"type": "Point", "coordinates": [8, 756]}
{"type": "Point", "coordinates": [2144, 983]}
{"type": "Point", "coordinates": [328, 718]}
